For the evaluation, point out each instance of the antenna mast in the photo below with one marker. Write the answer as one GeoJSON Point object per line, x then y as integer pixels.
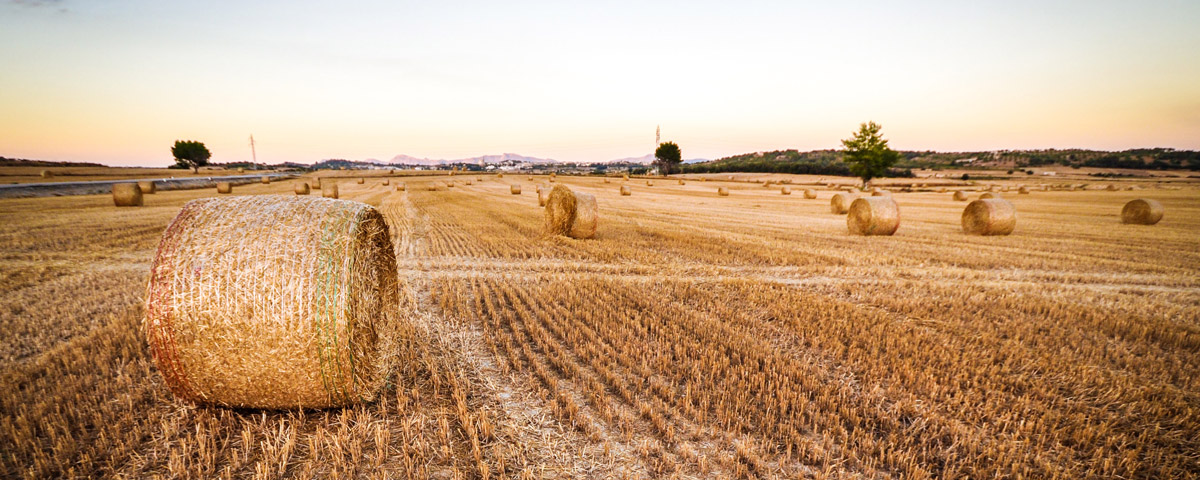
{"type": "Point", "coordinates": [252, 153]}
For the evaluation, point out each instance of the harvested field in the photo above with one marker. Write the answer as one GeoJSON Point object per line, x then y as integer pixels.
{"type": "Point", "coordinates": [693, 336]}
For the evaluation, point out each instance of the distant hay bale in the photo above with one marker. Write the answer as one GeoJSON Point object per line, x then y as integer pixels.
{"type": "Point", "coordinates": [625, 176]}
{"type": "Point", "coordinates": [681, 182]}
{"type": "Point", "coordinates": [991, 188]}
{"type": "Point", "coordinates": [840, 203]}
{"type": "Point", "coordinates": [649, 183]}
{"type": "Point", "coordinates": [606, 180]}
{"type": "Point", "coordinates": [400, 187]}
{"type": "Point", "coordinates": [730, 177]}
{"type": "Point", "coordinates": [960, 196]}
{"type": "Point", "coordinates": [987, 195]}
{"type": "Point", "coordinates": [127, 195]}
{"type": "Point", "coordinates": [625, 191]}
{"type": "Point", "coordinates": [785, 190]}
{"type": "Point", "coordinates": [316, 183]}
{"type": "Point", "coordinates": [1142, 211]}
{"type": "Point", "coordinates": [514, 189]}
{"type": "Point", "coordinates": [264, 179]}
{"type": "Point", "coordinates": [148, 187]}
{"type": "Point", "coordinates": [499, 175]}
{"type": "Point", "coordinates": [810, 193]}
{"type": "Point", "coordinates": [941, 190]}
{"type": "Point", "coordinates": [468, 182]}
{"type": "Point", "coordinates": [990, 216]}
{"type": "Point", "coordinates": [722, 191]}
{"type": "Point", "coordinates": [569, 213]}
{"type": "Point", "coordinates": [878, 192]}
{"type": "Point", "coordinates": [1023, 190]}
{"type": "Point", "coordinates": [543, 194]}
{"type": "Point", "coordinates": [387, 182]}
{"type": "Point", "coordinates": [1111, 187]}
{"type": "Point", "coordinates": [329, 190]}
{"type": "Point", "coordinates": [830, 186]}
{"type": "Point", "coordinates": [301, 188]}
{"type": "Point", "coordinates": [46, 174]}
{"type": "Point", "coordinates": [530, 178]}
{"type": "Point", "coordinates": [360, 180]}
{"type": "Point", "coordinates": [224, 187]}
{"type": "Point", "coordinates": [241, 170]}
{"type": "Point", "coordinates": [274, 302]}
{"type": "Point", "coordinates": [873, 216]}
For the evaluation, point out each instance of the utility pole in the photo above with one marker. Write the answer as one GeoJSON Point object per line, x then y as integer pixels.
{"type": "Point", "coordinates": [253, 155]}
{"type": "Point", "coordinates": [657, 136]}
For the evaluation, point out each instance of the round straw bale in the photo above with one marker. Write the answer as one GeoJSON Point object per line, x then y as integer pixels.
{"type": "Point", "coordinates": [681, 182]}
{"type": "Point", "coordinates": [722, 191]}
{"type": "Point", "coordinates": [987, 195]}
{"type": "Point", "coordinates": [301, 188]}
{"type": "Point", "coordinates": [387, 182]}
{"type": "Point", "coordinates": [46, 174]}
{"type": "Point", "coordinates": [1142, 211]}
{"type": "Point", "coordinates": [878, 192]}
{"type": "Point", "coordinates": [840, 203]}
{"type": "Point", "coordinates": [649, 183]}
{"type": "Point", "coordinates": [530, 178]}
{"type": "Point", "coordinates": [810, 193]}
{"type": "Point", "coordinates": [990, 216]}
{"type": "Point", "coordinates": [224, 187]}
{"type": "Point", "coordinates": [543, 194]}
{"type": "Point", "coordinates": [360, 180]}
{"type": "Point", "coordinates": [241, 170]}
{"type": "Point", "coordinates": [941, 190]}
{"type": "Point", "coordinates": [514, 189]}
{"type": "Point", "coordinates": [1023, 190]}
{"type": "Point", "coordinates": [1111, 187]}
{"type": "Point", "coordinates": [329, 190]}
{"type": "Point", "coordinates": [450, 184]}
{"type": "Point", "coordinates": [569, 213]}
{"type": "Point", "coordinates": [499, 175]}
{"type": "Point", "coordinates": [316, 183]}
{"type": "Point", "coordinates": [830, 186]}
{"type": "Point", "coordinates": [625, 191]}
{"type": "Point", "coordinates": [400, 187]}
{"type": "Point", "coordinates": [785, 190]}
{"type": "Point", "coordinates": [960, 196]}
{"type": "Point", "coordinates": [248, 306]}
{"type": "Point", "coordinates": [606, 180]}
{"type": "Point", "coordinates": [625, 176]}
{"type": "Point", "coordinates": [265, 179]}
{"type": "Point", "coordinates": [147, 187]}
{"type": "Point", "coordinates": [467, 182]}
{"type": "Point", "coordinates": [873, 216]}
{"type": "Point", "coordinates": [127, 195]}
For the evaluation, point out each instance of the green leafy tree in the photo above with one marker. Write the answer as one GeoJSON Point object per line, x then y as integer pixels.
{"type": "Point", "coordinates": [868, 153]}
{"type": "Point", "coordinates": [190, 154]}
{"type": "Point", "coordinates": [668, 157]}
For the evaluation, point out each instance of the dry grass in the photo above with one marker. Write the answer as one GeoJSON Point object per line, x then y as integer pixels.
{"type": "Point", "coordinates": [747, 336]}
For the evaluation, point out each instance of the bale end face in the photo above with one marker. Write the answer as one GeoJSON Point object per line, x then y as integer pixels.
{"type": "Point", "coordinates": [224, 187]}
{"type": "Point", "coordinates": [265, 179]}
{"type": "Point", "coordinates": [873, 216]}
{"type": "Point", "coordinates": [1142, 211]}
{"type": "Point", "coordinates": [302, 188]}
{"type": "Point", "coordinates": [722, 191]}
{"type": "Point", "coordinates": [840, 203]}
{"type": "Point", "coordinates": [989, 216]}
{"type": "Point", "coordinates": [569, 213]}
{"type": "Point", "coordinates": [127, 195]}
{"type": "Point", "coordinates": [329, 190]}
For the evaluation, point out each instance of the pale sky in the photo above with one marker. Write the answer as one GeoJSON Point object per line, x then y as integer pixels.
{"type": "Point", "coordinates": [118, 82]}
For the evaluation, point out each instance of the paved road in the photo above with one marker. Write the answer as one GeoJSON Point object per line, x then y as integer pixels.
{"type": "Point", "coordinates": [95, 187]}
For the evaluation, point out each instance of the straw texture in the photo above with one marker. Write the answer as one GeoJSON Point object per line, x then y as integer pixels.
{"type": "Point", "coordinates": [873, 216]}
{"type": "Point", "coordinates": [569, 213]}
{"type": "Point", "coordinates": [147, 187]}
{"type": "Point", "coordinates": [249, 305]}
{"type": "Point", "coordinates": [991, 216]}
{"type": "Point", "coordinates": [224, 187]}
{"type": "Point", "coordinates": [302, 188]}
{"type": "Point", "coordinates": [127, 195]}
{"type": "Point", "coordinates": [514, 189]}
{"type": "Point", "coordinates": [625, 191]}
{"type": "Point", "coordinates": [329, 190]}
{"type": "Point", "coordinates": [840, 203]}
{"type": "Point", "coordinates": [1142, 211]}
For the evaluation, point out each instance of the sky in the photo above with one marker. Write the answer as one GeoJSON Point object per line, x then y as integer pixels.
{"type": "Point", "coordinates": [117, 82]}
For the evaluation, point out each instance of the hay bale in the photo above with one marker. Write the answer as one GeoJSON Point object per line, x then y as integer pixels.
{"type": "Point", "coordinates": [530, 178]}
{"type": "Point", "coordinates": [543, 194]}
{"type": "Point", "coordinates": [840, 203]}
{"type": "Point", "coordinates": [265, 179]}
{"type": "Point", "coordinates": [386, 182]}
{"type": "Point", "coordinates": [360, 180]}
{"type": "Point", "coordinates": [514, 189]}
{"type": "Point", "coordinates": [499, 175]}
{"type": "Point", "coordinates": [991, 216]}
{"type": "Point", "coordinates": [1023, 190]}
{"type": "Point", "coordinates": [250, 306]}
{"type": "Point", "coordinates": [941, 190]}
{"type": "Point", "coordinates": [569, 213]}
{"type": "Point", "coordinates": [241, 170]}
{"type": "Point", "coordinates": [873, 216]}
{"type": "Point", "coordinates": [301, 188]}
{"type": "Point", "coordinates": [878, 192]}
{"type": "Point", "coordinates": [450, 184]}
{"type": "Point", "coordinates": [625, 176]}
{"type": "Point", "coordinates": [987, 195]}
{"type": "Point", "coordinates": [649, 183]}
{"type": "Point", "coordinates": [810, 193]}
{"type": "Point", "coordinates": [766, 184]}
{"type": "Point", "coordinates": [316, 184]}
{"type": "Point", "coordinates": [46, 174]}
{"type": "Point", "coordinates": [625, 191]}
{"type": "Point", "coordinates": [127, 195]}
{"type": "Point", "coordinates": [722, 192]}
{"type": "Point", "coordinates": [606, 180]}
{"type": "Point", "coordinates": [1111, 187]}
{"type": "Point", "coordinates": [785, 190]}
{"type": "Point", "coordinates": [1142, 211]}
{"type": "Point", "coordinates": [960, 196]}
{"type": "Point", "coordinates": [329, 190]}
{"type": "Point", "coordinates": [224, 187]}
{"type": "Point", "coordinates": [681, 182]}
{"type": "Point", "coordinates": [148, 187]}
{"type": "Point", "coordinates": [400, 187]}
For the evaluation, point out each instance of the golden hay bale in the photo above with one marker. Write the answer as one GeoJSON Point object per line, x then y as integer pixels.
{"type": "Point", "coordinates": [241, 170]}
{"type": "Point", "coordinates": [1142, 211]}
{"type": "Point", "coordinates": [387, 182]}
{"type": "Point", "coordinates": [810, 193]}
{"type": "Point", "coordinates": [722, 192]}
{"type": "Point", "coordinates": [301, 188]}
{"type": "Point", "coordinates": [499, 175]}
{"type": "Point", "coordinates": [987, 195]}
{"type": "Point", "coordinates": [543, 193]}
{"type": "Point", "coordinates": [649, 183]}
{"type": "Point", "coordinates": [249, 306]}
{"type": "Point", "coordinates": [224, 187]}
{"type": "Point", "coordinates": [450, 184]}
{"type": "Point", "coordinates": [681, 182]}
{"type": "Point", "coordinates": [265, 179]}
{"type": "Point", "coordinates": [873, 216]}
{"type": "Point", "coordinates": [329, 190]}
{"type": "Point", "coordinates": [880, 193]}
{"type": "Point", "coordinates": [785, 190]}
{"type": "Point", "coordinates": [1023, 190]}
{"type": "Point", "coordinates": [625, 191]}
{"type": "Point", "coordinates": [360, 180]}
{"type": "Point", "coordinates": [569, 213]}
{"type": "Point", "coordinates": [400, 187]}
{"type": "Point", "coordinates": [625, 176]}
{"type": "Point", "coordinates": [1111, 187]}
{"type": "Point", "coordinates": [148, 187]}
{"type": "Point", "coordinates": [127, 195]}
{"type": "Point", "coordinates": [46, 174]}
{"type": "Point", "coordinates": [606, 180]}
{"type": "Point", "coordinates": [530, 178]}
{"type": "Point", "coordinates": [840, 203]}
{"type": "Point", "coordinates": [316, 183]}
{"type": "Point", "coordinates": [514, 189]}
{"type": "Point", "coordinates": [991, 216]}
{"type": "Point", "coordinates": [941, 190]}
{"type": "Point", "coordinates": [960, 196]}
{"type": "Point", "coordinates": [830, 186]}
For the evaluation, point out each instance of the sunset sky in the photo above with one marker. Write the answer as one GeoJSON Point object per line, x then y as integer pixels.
{"type": "Point", "coordinates": [118, 82]}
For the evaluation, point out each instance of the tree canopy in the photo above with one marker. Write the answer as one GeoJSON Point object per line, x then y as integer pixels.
{"type": "Point", "coordinates": [868, 153]}
{"type": "Point", "coordinates": [668, 157]}
{"type": "Point", "coordinates": [190, 154]}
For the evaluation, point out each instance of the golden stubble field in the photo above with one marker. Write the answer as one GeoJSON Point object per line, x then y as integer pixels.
{"type": "Point", "coordinates": [696, 336]}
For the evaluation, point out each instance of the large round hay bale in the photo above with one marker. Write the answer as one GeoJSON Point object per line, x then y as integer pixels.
{"type": "Point", "coordinates": [722, 191]}
{"type": "Point", "coordinates": [329, 190]}
{"type": "Point", "coordinates": [1023, 190]}
{"type": "Point", "coordinates": [264, 179]}
{"type": "Point", "coordinates": [649, 183]}
{"type": "Point", "coordinates": [400, 187]}
{"type": "Point", "coordinates": [987, 195]}
{"type": "Point", "coordinates": [681, 182]}
{"type": "Point", "coordinates": [147, 186]}
{"type": "Point", "coordinates": [302, 188]}
{"type": "Point", "coordinates": [1142, 211]}
{"type": "Point", "coordinates": [991, 216]}
{"type": "Point", "coordinates": [386, 182]}
{"type": "Point", "coordinates": [960, 196]}
{"type": "Point", "coordinates": [514, 189]}
{"type": "Point", "coordinates": [810, 193]}
{"type": "Point", "coordinates": [241, 170]}
{"type": "Point", "coordinates": [316, 183]}
{"type": "Point", "coordinates": [873, 216]}
{"type": "Point", "coordinates": [625, 191]}
{"type": "Point", "coordinates": [785, 190]}
{"type": "Point", "coordinates": [360, 180]}
{"type": "Point", "coordinates": [46, 174]}
{"type": "Point", "coordinates": [569, 213]}
{"type": "Point", "coordinates": [879, 192]}
{"type": "Point", "coordinates": [127, 195]}
{"type": "Point", "coordinates": [224, 187]}
{"type": "Point", "coordinates": [249, 306]}
{"type": "Point", "coordinates": [840, 203]}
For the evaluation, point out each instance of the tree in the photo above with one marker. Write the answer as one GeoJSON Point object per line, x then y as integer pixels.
{"type": "Point", "coordinates": [190, 154]}
{"type": "Point", "coordinates": [868, 153]}
{"type": "Point", "coordinates": [667, 157]}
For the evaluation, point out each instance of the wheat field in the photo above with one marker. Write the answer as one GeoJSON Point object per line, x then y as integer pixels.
{"type": "Point", "coordinates": [695, 336]}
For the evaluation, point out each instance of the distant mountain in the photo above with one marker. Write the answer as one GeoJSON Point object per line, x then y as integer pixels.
{"type": "Point", "coordinates": [480, 160]}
